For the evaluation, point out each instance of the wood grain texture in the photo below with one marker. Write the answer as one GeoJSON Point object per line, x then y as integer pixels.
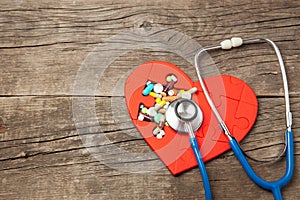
{"type": "Point", "coordinates": [44, 43]}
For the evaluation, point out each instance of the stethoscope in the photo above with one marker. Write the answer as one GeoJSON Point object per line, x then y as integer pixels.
{"type": "Point", "coordinates": [185, 116]}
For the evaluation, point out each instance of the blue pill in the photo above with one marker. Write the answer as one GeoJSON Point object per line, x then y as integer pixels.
{"type": "Point", "coordinates": [148, 89]}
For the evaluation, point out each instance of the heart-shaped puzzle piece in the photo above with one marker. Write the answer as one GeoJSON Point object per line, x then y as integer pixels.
{"type": "Point", "coordinates": [234, 99]}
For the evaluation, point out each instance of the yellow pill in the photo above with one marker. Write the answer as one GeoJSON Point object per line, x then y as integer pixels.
{"type": "Point", "coordinates": [155, 95]}
{"type": "Point", "coordinates": [162, 103]}
{"type": "Point", "coordinates": [157, 100]}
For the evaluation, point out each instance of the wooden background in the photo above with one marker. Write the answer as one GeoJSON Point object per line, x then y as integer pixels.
{"type": "Point", "coordinates": [42, 45]}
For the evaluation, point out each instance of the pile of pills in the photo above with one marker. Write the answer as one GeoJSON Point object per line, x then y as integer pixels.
{"type": "Point", "coordinates": [163, 95]}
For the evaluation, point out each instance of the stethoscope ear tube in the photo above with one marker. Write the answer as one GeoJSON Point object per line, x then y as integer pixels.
{"type": "Point", "coordinates": [275, 186]}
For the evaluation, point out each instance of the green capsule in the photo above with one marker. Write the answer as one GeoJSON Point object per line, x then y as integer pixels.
{"type": "Point", "coordinates": [157, 117]}
{"type": "Point", "coordinates": [144, 110]}
{"type": "Point", "coordinates": [169, 78]}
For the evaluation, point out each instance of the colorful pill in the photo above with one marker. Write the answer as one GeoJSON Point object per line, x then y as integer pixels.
{"type": "Point", "coordinates": [162, 103]}
{"type": "Point", "coordinates": [161, 122]}
{"type": "Point", "coordinates": [162, 110]}
{"type": "Point", "coordinates": [180, 93]}
{"type": "Point", "coordinates": [172, 92]}
{"type": "Point", "coordinates": [148, 89]}
{"type": "Point", "coordinates": [169, 78]}
{"type": "Point", "coordinates": [156, 131]}
{"type": "Point", "coordinates": [141, 117]}
{"type": "Point", "coordinates": [186, 95]}
{"type": "Point", "coordinates": [169, 86]}
{"type": "Point", "coordinates": [144, 110]}
{"type": "Point", "coordinates": [166, 105]}
{"type": "Point", "coordinates": [155, 95]}
{"type": "Point", "coordinates": [174, 78]}
{"type": "Point", "coordinates": [170, 98]}
{"type": "Point", "coordinates": [192, 90]}
{"type": "Point", "coordinates": [158, 117]}
{"type": "Point", "coordinates": [158, 88]}
{"type": "Point", "coordinates": [151, 112]}
{"type": "Point", "coordinates": [157, 100]}
{"type": "Point", "coordinates": [159, 136]}
{"type": "Point", "coordinates": [162, 132]}
{"type": "Point", "coordinates": [157, 107]}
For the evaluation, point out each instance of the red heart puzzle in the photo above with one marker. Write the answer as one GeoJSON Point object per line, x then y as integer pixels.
{"type": "Point", "coordinates": [234, 99]}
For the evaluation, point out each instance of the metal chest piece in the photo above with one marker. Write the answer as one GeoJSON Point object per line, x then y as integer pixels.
{"type": "Point", "coordinates": [181, 112]}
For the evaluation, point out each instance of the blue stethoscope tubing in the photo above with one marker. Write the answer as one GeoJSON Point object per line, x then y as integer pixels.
{"type": "Point", "coordinates": [201, 165]}
{"type": "Point", "coordinates": [189, 125]}
{"type": "Point", "coordinates": [202, 169]}
{"type": "Point", "coordinates": [275, 186]}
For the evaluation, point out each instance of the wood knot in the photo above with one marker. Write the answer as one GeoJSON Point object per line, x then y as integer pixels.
{"type": "Point", "coordinates": [145, 25]}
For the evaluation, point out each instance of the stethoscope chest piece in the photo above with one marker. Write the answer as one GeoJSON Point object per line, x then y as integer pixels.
{"type": "Point", "coordinates": [184, 111]}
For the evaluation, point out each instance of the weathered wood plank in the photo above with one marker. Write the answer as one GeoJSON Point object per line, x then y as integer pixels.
{"type": "Point", "coordinates": [44, 72]}
{"type": "Point", "coordinates": [39, 144]}
{"type": "Point", "coordinates": [42, 45]}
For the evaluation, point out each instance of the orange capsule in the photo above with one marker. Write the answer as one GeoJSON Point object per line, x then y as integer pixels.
{"type": "Point", "coordinates": [162, 111]}
{"type": "Point", "coordinates": [170, 98]}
